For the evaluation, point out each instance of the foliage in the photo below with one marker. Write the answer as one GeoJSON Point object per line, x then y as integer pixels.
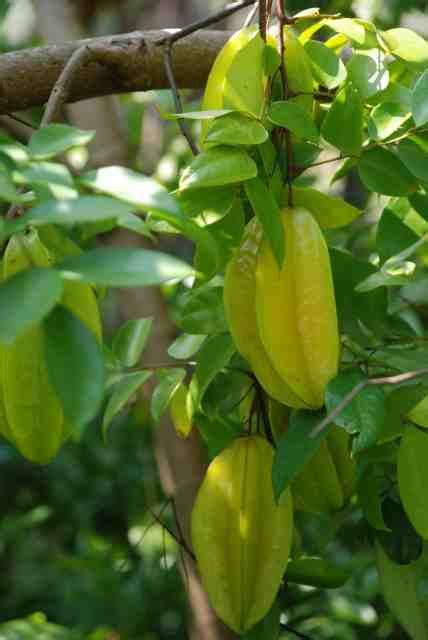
{"type": "Point", "coordinates": [260, 139]}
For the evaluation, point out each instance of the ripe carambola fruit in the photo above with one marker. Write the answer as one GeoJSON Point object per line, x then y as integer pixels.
{"type": "Point", "coordinates": [34, 414]}
{"type": "Point", "coordinates": [328, 480]}
{"type": "Point", "coordinates": [241, 537]}
{"type": "Point", "coordinates": [240, 308]}
{"type": "Point", "coordinates": [412, 473]}
{"type": "Point", "coordinates": [400, 588]}
{"type": "Point", "coordinates": [296, 308]}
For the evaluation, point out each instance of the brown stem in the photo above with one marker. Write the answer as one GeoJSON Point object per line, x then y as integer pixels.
{"type": "Point", "coordinates": [205, 22]}
{"type": "Point", "coordinates": [177, 100]}
{"type": "Point", "coordinates": [263, 18]}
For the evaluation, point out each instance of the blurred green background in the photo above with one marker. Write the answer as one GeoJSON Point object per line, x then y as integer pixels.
{"type": "Point", "coordinates": [78, 540]}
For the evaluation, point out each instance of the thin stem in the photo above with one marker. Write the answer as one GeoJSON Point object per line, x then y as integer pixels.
{"type": "Point", "coordinates": [251, 15]}
{"type": "Point", "coordinates": [298, 634]}
{"type": "Point", "coordinates": [20, 120]}
{"type": "Point", "coordinates": [263, 18]}
{"type": "Point", "coordinates": [177, 100]}
{"type": "Point", "coordinates": [228, 10]}
{"type": "Point", "coordinates": [283, 20]}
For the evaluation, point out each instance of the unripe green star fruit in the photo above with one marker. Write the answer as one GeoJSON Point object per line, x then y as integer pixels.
{"type": "Point", "coordinates": [4, 425]}
{"type": "Point", "coordinates": [241, 537]}
{"type": "Point", "coordinates": [33, 411]}
{"type": "Point", "coordinates": [240, 308]}
{"type": "Point", "coordinates": [412, 473]}
{"type": "Point", "coordinates": [34, 414]}
{"type": "Point", "coordinates": [296, 309]}
{"type": "Point", "coordinates": [180, 411]}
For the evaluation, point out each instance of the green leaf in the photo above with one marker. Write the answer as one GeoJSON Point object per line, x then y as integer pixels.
{"type": "Point", "coordinates": [404, 359]}
{"type": "Point", "coordinates": [130, 340]}
{"type": "Point", "coordinates": [135, 224]}
{"type": "Point", "coordinates": [185, 346]}
{"type": "Point", "coordinates": [57, 138]}
{"type": "Point", "coordinates": [244, 81]}
{"type": "Point", "coordinates": [385, 119]}
{"type": "Point", "coordinates": [236, 129]}
{"type": "Point", "coordinates": [393, 236]}
{"type": "Point", "coordinates": [316, 572]}
{"type": "Point", "coordinates": [123, 390]}
{"type": "Point", "coordinates": [216, 435]}
{"type": "Point", "coordinates": [268, 628]}
{"type": "Point", "coordinates": [414, 155]}
{"type": "Point", "coordinates": [25, 299]}
{"type": "Point", "coordinates": [350, 28]}
{"type": "Point", "coordinates": [142, 192]}
{"type": "Point", "coordinates": [381, 171]}
{"type": "Point", "coordinates": [169, 381]}
{"type": "Point", "coordinates": [329, 211]}
{"type": "Point", "coordinates": [419, 202]}
{"type": "Point", "coordinates": [327, 67]}
{"type": "Point", "coordinates": [75, 364]}
{"type": "Point", "coordinates": [268, 212]}
{"type": "Point", "coordinates": [385, 279]}
{"type": "Point", "coordinates": [271, 60]}
{"type": "Point", "coordinates": [211, 204]}
{"type": "Point", "coordinates": [124, 268]}
{"type": "Point", "coordinates": [85, 209]}
{"type": "Point", "coordinates": [55, 177]}
{"type": "Point", "coordinates": [368, 73]}
{"type": "Point", "coordinates": [407, 45]}
{"type": "Point", "coordinates": [400, 400]}
{"type": "Point", "coordinates": [218, 166]}
{"type": "Point", "coordinates": [295, 118]}
{"type": "Point", "coordinates": [209, 114]}
{"type": "Point", "coordinates": [420, 100]}
{"type": "Point", "coordinates": [369, 489]}
{"type": "Point", "coordinates": [295, 448]}
{"type": "Point", "coordinates": [8, 190]}
{"type": "Point", "coordinates": [365, 414]}
{"type": "Point", "coordinates": [343, 124]}
{"type": "Point", "coordinates": [354, 308]}
{"type": "Point", "coordinates": [201, 310]}
{"type": "Point", "coordinates": [212, 358]}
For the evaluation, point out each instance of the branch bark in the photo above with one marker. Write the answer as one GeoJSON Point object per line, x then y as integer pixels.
{"type": "Point", "coordinates": [133, 62]}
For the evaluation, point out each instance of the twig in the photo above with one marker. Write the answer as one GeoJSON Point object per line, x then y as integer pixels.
{"type": "Point", "coordinates": [386, 380]}
{"type": "Point", "coordinates": [298, 634]}
{"type": "Point", "coordinates": [62, 86]}
{"type": "Point", "coordinates": [177, 100]}
{"type": "Point", "coordinates": [179, 541]}
{"type": "Point", "coordinates": [228, 10]}
{"type": "Point", "coordinates": [251, 15]}
{"type": "Point", "coordinates": [12, 116]}
{"type": "Point", "coordinates": [263, 18]}
{"type": "Point", "coordinates": [283, 20]}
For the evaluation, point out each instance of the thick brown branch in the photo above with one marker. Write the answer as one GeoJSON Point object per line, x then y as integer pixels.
{"type": "Point", "coordinates": [129, 62]}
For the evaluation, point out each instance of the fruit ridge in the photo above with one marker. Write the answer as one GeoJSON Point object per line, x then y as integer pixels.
{"type": "Point", "coordinates": [241, 537]}
{"type": "Point", "coordinates": [240, 308]}
{"type": "Point", "coordinates": [296, 308]}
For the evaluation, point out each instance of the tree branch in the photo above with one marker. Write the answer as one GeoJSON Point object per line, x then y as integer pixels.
{"type": "Point", "coordinates": [123, 63]}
